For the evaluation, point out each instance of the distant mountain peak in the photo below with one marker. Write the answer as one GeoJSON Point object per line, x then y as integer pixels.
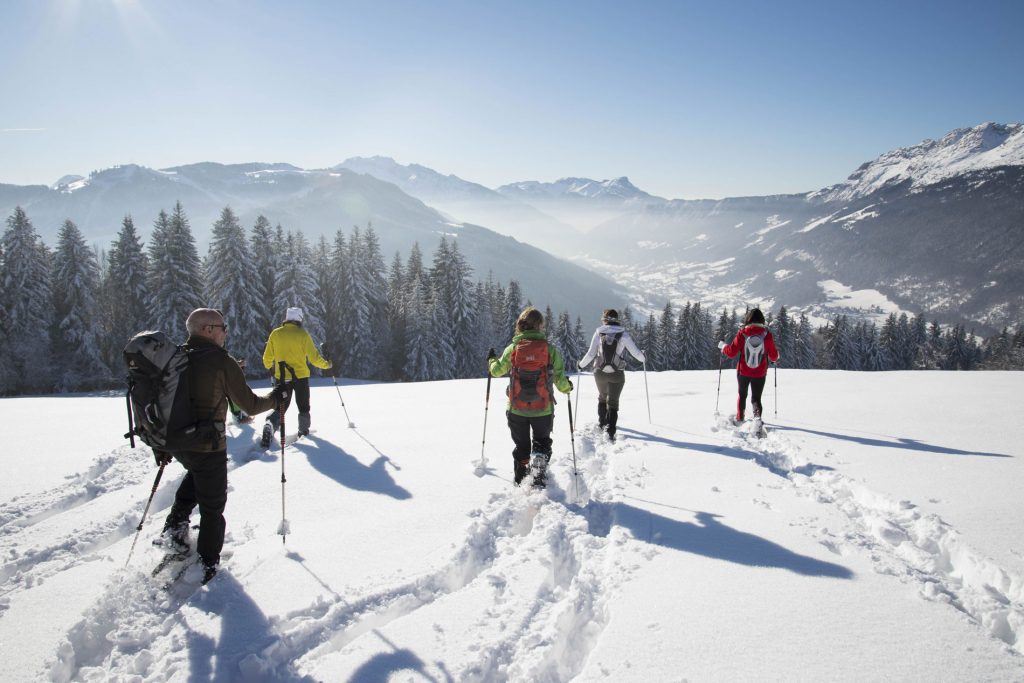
{"type": "Point", "coordinates": [615, 188]}
{"type": "Point", "coordinates": [962, 150]}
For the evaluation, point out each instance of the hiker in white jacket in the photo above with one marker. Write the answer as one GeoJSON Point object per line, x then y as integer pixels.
{"type": "Point", "coordinates": [607, 347]}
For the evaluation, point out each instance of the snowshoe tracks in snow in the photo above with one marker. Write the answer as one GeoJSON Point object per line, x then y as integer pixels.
{"type": "Point", "coordinates": [901, 540]}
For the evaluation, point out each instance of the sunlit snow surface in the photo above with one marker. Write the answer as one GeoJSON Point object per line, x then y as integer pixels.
{"type": "Point", "coordinates": [875, 534]}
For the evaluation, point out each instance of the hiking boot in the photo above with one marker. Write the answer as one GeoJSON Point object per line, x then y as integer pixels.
{"type": "Point", "coordinates": [304, 421]}
{"type": "Point", "coordinates": [209, 571]}
{"type": "Point", "coordinates": [174, 537]}
{"type": "Point", "coordinates": [522, 468]}
{"type": "Point", "coordinates": [268, 432]}
{"type": "Point", "coordinates": [602, 414]}
{"type": "Point", "coordinates": [613, 421]}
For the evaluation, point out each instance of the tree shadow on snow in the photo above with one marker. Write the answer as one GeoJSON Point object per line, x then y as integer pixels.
{"type": "Point", "coordinates": [761, 459]}
{"type": "Point", "coordinates": [710, 538]}
{"type": "Point", "coordinates": [895, 442]}
{"type": "Point", "coordinates": [244, 630]}
{"type": "Point", "coordinates": [343, 468]}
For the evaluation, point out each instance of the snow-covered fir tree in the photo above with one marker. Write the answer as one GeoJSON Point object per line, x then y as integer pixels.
{"type": "Point", "coordinates": [175, 273]}
{"type": "Point", "coordinates": [124, 292]}
{"type": "Point", "coordinates": [451, 278]}
{"type": "Point", "coordinates": [513, 307]}
{"type": "Point", "coordinates": [26, 308]}
{"type": "Point", "coordinates": [78, 363]}
{"type": "Point", "coordinates": [234, 288]}
{"type": "Point", "coordinates": [420, 357]}
{"type": "Point", "coordinates": [396, 311]}
{"type": "Point", "coordinates": [265, 251]}
{"type": "Point", "coordinates": [296, 285]}
{"type": "Point", "coordinates": [327, 285]}
{"type": "Point", "coordinates": [372, 278]}
{"type": "Point", "coordinates": [665, 347]}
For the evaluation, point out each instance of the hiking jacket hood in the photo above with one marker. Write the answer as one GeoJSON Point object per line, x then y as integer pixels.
{"type": "Point", "coordinates": [499, 367]}
{"type": "Point", "coordinates": [736, 347]}
{"type": "Point", "coordinates": [215, 378]}
{"type": "Point", "coordinates": [292, 345]}
{"type": "Point", "coordinates": [626, 343]}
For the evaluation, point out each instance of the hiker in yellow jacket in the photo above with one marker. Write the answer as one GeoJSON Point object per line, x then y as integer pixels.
{"type": "Point", "coordinates": [291, 345]}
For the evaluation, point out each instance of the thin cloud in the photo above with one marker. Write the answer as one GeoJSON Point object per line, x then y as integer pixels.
{"type": "Point", "coordinates": [22, 130]}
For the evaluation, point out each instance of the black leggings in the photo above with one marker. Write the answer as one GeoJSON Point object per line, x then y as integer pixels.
{"type": "Point", "coordinates": [756, 384]}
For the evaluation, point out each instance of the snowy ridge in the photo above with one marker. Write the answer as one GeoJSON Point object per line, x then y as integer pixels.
{"type": "Point", "coordinates": [901, 541]}
{"type": "Point", "coordinates": [960, 151]}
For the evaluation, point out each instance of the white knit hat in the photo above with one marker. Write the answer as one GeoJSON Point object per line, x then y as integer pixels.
{"type": "Point", "coordinates": [293, 313]}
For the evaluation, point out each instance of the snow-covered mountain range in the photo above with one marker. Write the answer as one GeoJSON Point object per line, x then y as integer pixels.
{"type": "Point", "coordinates": [935, 226]}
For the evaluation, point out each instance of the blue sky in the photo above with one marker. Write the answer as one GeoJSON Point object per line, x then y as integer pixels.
{"type": "Point", "coordinates": [688, 99]}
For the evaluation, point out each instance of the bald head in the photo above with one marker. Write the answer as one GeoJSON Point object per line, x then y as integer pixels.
{"type": "Point", "coordinates": [207, 322]}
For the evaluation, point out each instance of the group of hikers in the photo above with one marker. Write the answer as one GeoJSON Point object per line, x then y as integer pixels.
{"type": "Point", "coordinates": [535, 368]}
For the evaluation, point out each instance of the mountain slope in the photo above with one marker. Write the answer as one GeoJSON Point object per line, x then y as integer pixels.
{"type": "Point", "coordinates": [316, 202]}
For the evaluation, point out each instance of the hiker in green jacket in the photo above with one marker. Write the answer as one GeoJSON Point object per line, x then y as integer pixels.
{"type": "Point", "coordinates": [534, 367]}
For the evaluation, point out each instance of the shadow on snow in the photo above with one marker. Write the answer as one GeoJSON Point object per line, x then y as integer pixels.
{"type": "Point", "coordinates": [343, 468]}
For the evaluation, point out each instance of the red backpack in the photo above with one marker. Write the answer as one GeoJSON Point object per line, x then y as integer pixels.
{"type": "Point", "coordinates": [530, 383]}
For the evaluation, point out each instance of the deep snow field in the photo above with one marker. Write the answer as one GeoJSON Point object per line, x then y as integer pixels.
{"type": "Point", "coordinates": [876, 534]}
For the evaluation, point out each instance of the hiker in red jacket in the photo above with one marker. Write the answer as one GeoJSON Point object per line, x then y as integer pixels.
{"type": "Point", "coordinates": [756, 347]}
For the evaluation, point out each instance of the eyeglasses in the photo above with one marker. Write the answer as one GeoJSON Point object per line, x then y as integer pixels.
{"type": "Point", "coordinates": [223, 327]}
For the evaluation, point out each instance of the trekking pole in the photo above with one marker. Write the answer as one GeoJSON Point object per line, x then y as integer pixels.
{"type": "Point", "coordinates": [482, 465]}
{"type": "Point", "coordinates": [572, 440]}
{"type": "Point", "coordinates": [281, 407]}
{"type": "Point", "coordinates": [138, 529]}
{"type": "Point", "coordinates": [776, 376]}
{"type": "Point", "coordinates": [646, 391]}
{"type": "Point", "coordinates": [579, 371]}
{"type": "Point", "coordinates": [719, 391]}
{"type": "Point", "coordinates": [334, 377]}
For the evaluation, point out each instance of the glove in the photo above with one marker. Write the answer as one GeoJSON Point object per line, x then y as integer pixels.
{"type": "Point", "coordinates": [162, 458]}
{"type": "Point", "coordinates": [579, 365]}
{"type": "Point", "coordinates": [330, 364]}
{"type": "Point", "coordinates": [570, 385]}
{"type": "Point", "coordinates": [282, 393]}
{"type": "Point", "coordinates": [721, 345]}
{"type": "Point", "coordinates": [491, 354]}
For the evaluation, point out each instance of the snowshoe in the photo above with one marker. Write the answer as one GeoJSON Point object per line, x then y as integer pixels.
{"type": "Point", "coordinates": [539, 469]}
{"type": "Point", "coordinates": [174, 538]}
{"type": "Point", "coordinates": [209, 571]}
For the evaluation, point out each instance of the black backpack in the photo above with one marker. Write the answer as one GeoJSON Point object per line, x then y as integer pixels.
{"type": "Point", "coordinates": [607, 360]}
{"type": "Point", "coordinates": [160, 396]}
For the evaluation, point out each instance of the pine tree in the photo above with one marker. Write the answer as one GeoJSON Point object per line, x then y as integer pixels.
{"type": "Point", "coordinates": [372, 263]}
{"type": "Point", "coordinates": [804, 354]}
{"type": "Point", "coordinates": [419, 359]}
{"type": "Point", "coordinates": [265, 249]}
{"type": "Point", "coordinates": [26, 308]}
{"type": "Point", "coordinates": [327, 285]}
{"type": "Point", "coordinates": [234, 288]}
{"type": "Point", "coordinates": [75, 278]}
{"type": "Point", "coordinates": [126, 291]}
{"type": "Point", "coordinates": [295, 285]}
{"type": "Point", "coordinates": [666, 349]}
{"type": "Point", "coordinates": [513, 307]}
{"type": "Point", "coordinates": [175, 273]}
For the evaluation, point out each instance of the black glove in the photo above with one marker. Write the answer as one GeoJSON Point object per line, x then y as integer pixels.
{"type": "Point", "coordinates": [491, 354]}
{"type": "Point", "coordinates": [281, 393]}
{"type": "Point", "coordinates": [570, 384]}
{"type": "Point", "coordinates": [162, 458]}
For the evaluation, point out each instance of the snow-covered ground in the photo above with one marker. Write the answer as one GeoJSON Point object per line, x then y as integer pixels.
{"type": "Point", "coordinates": [875, 534]}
